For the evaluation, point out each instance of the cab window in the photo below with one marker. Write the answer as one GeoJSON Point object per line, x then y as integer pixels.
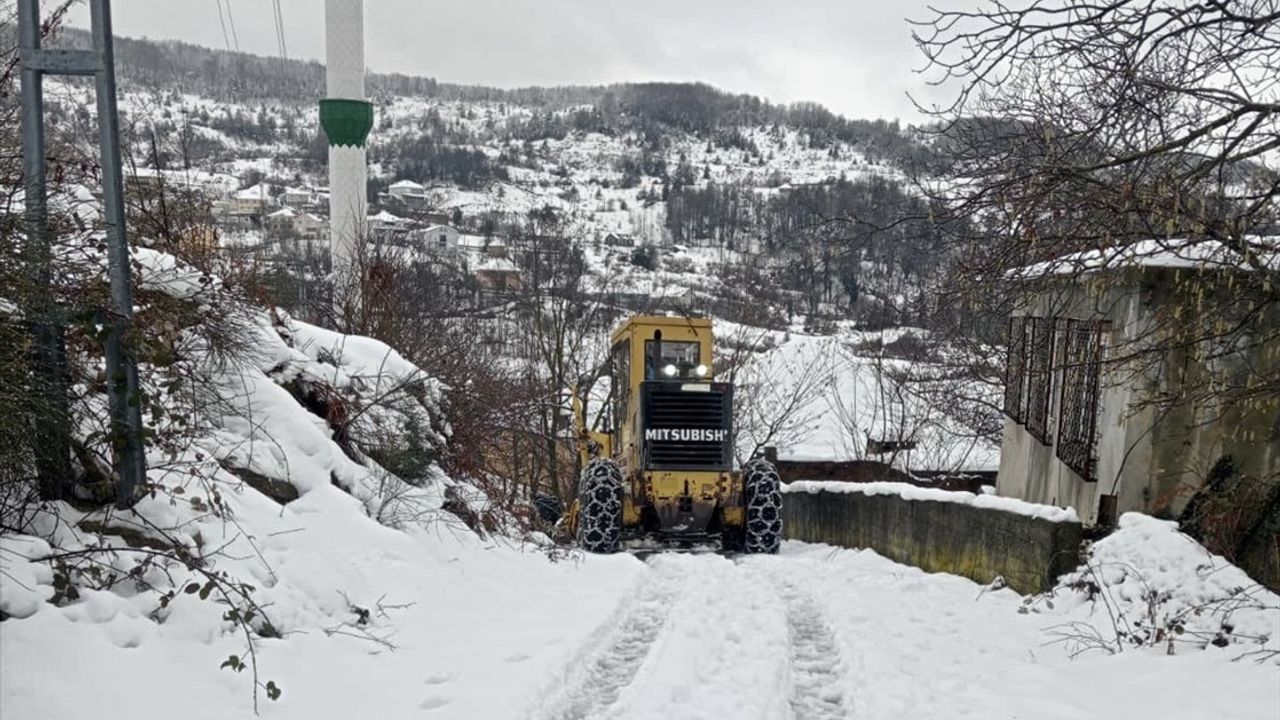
{"type": "Point", "coordinates": [621, 377]}
{"type": "Point", "coordinates": [677, 360]}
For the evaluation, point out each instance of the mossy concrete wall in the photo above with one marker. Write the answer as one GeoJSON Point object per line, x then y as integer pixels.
{"type": "Point", "coordinates": [978, 543]}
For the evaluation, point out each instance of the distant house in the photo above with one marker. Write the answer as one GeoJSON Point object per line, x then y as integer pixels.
{"type": "Point", "coordinates": [406, 195]}
{"type": "Point", "coordinates": [223, 212]}
{"type": "Point", "coordinates": [389, 228]}
{"type": "Point", "coordinates": [310, 227]}
{"type": "Point", "coordinates": [299, 224]}
{"type": "Point", "coordinates": [1103, 393]}
{"type": "Point", "coordinates": [404, 188]}
{"type": "Point", "coordinates": [440, 238]}
{"type": "Point", "coordinates": [619, 240]}
{"type": "Point", "coordinates": [497, 275]}
{"type": "Point", "coordinates": [433, 218]}
{"type": "Point", "coordinates": [251, 201]}
{"type": "Point", "coordinates": [297, 197]}
{"type": "Point", "coordinates": [281, 221]}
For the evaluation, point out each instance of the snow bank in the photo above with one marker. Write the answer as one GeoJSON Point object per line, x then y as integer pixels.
{"type": "Point", "coordinates": [1147, 584]}
{"type": "Point", "coordinates": [912, 492]}
{"type": "Point", "coordinates": [281, 523]}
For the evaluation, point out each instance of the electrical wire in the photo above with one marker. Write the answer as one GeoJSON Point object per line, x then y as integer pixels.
{"type": "Point", "coordinates": [280, 38]}
{"type": "Point", "coordinates": [226, 39]}
{"type": "Point", "coordinates": [231, 20]}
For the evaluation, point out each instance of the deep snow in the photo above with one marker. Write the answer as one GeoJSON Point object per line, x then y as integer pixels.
{"type": "Point", "coordinates": [495, 632]}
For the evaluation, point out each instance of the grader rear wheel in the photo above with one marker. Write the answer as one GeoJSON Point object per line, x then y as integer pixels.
{"type": "Point", "coordinates": [764, 507]}
{"type": "Point", "coordinates": [600, 507]}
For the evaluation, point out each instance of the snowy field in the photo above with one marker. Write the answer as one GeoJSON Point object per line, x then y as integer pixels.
{"type": "Point", "coordinates": [494, 632]}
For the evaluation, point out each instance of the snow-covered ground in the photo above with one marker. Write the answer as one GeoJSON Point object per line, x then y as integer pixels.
{"type": "Point", "coordinates": [836, 399]}
{"type": "Point", "coordinates": [490, 631]}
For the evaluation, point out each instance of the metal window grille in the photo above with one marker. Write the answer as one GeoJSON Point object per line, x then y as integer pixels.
{"type": "Point", "coordinates": [1078, 416]}
{"type": "Point", "coordinates": [1015, 369]}
{"type": "Point", "coordinates": [1039, 379]}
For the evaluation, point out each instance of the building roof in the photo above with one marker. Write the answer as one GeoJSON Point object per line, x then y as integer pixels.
{"type": "Point", "coordinates": [282, 213]}
{"type": "Point", "coordinates": [1159, 253]}
{"type": "Point", "coordinates": [386, 217]}
{"type": "Point", "coordinates": [406, 185]}
{"type": "Point", "coordinates": [257, 192]}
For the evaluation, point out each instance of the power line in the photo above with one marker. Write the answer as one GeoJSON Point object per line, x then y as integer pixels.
{"type": "Point", "coordinates": [226, 39]}
{"type": "Point", "coordinates": [280, 40]}
{"type": "Point", "coordinates": [231, 20]}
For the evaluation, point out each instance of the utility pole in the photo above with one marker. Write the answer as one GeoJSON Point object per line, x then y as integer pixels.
{"type": "Point", "coordinates": [124, 393]}
{"type": "Point", "coordinates": [347, 118]}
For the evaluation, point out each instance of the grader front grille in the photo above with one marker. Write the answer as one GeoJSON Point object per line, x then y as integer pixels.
{"type": "Point", "coordinates": [687, 426]}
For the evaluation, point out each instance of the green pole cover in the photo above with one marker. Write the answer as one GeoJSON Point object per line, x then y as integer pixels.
{"type": "Point", "coordinates": [346, 122]}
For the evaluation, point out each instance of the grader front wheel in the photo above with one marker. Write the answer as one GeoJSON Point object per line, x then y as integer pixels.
{"type": "Point", "coordinates": [599, 518]}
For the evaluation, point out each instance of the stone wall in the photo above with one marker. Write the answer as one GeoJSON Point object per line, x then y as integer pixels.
{"type": "Point", "coordinates": [960, 537]}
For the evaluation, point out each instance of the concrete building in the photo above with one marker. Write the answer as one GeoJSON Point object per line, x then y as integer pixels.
{"type": "Point", "coordinates": [1111, 393]}
{"type": "Point", "coordinates": [497, 275]}
{"type": "Point", "coordinates": [280, 222]}
{"type": "Point", "coordinates": [251, 201]}
{"type": "Point", "coordinates": [308, 226]}
{"type": "Point", "coordinates": [406, 195]}
{"type": "Point", "coordinates": [297, 197]}
{"type": "Point", "coordinates": [440, 238]}
{"type": "Point", "coordinates": [297, 224]}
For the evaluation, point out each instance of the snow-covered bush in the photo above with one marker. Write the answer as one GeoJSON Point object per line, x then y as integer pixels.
{"type": "Point", "coordinates": [1148, 585]}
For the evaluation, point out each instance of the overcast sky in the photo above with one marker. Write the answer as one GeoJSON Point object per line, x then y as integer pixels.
{"type": "Point", "coordinates": [855, 56]}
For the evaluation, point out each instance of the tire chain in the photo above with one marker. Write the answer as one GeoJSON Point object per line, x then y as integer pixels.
{"type": "Point", "coordinates": [600, 507]}
{"type": "Point", "coordinates": [764, 507]}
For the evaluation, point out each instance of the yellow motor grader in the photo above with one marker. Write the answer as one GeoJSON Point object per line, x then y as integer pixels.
{"type": "Point", "coordinates": [661, 470]}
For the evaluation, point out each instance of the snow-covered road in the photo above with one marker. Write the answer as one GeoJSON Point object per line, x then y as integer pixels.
{"type": "Point", "coordinates": [487, 631]}
{"type": "Point", "coordinates": [821, 633]}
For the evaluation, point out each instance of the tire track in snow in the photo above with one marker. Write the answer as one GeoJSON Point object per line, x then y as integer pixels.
{"type": "Point", "coordinates": [817, 690]}
{"type": "Point", "coordinates": [594, 678]}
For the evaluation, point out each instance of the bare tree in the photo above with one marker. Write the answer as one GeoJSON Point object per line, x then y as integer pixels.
{"type": "Point", "coordinates": [564, 313]}
{"type": "Point", "coordinates": [1136, 129]}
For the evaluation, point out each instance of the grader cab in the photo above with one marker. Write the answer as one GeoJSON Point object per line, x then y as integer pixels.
{"type": "Point", "coordinates": [662, 467]}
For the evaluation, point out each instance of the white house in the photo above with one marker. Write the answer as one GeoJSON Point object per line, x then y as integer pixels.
{"type": "Point", "coordinates": [252, 200]}
{"type": "Point", "coordinates": [299, 224]}
{"type": "Point", "coordinates": [440, 238]}
{"type": "Point", "coordinates": [405, 188]}
{"type": "Point", "coordinates": [297, 197]}
{"type": "Point", "coordinates": [281, 221]}
{"type": "Point", "coordinates": [309, 226]}
{"type": "Point", "coordinates": [389, 228]}
{"type": "Point", "coordinates": [407, 195]}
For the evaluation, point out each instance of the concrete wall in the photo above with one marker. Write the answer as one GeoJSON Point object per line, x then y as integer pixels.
{"type": "Point", "coordinates": [977, 543]}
